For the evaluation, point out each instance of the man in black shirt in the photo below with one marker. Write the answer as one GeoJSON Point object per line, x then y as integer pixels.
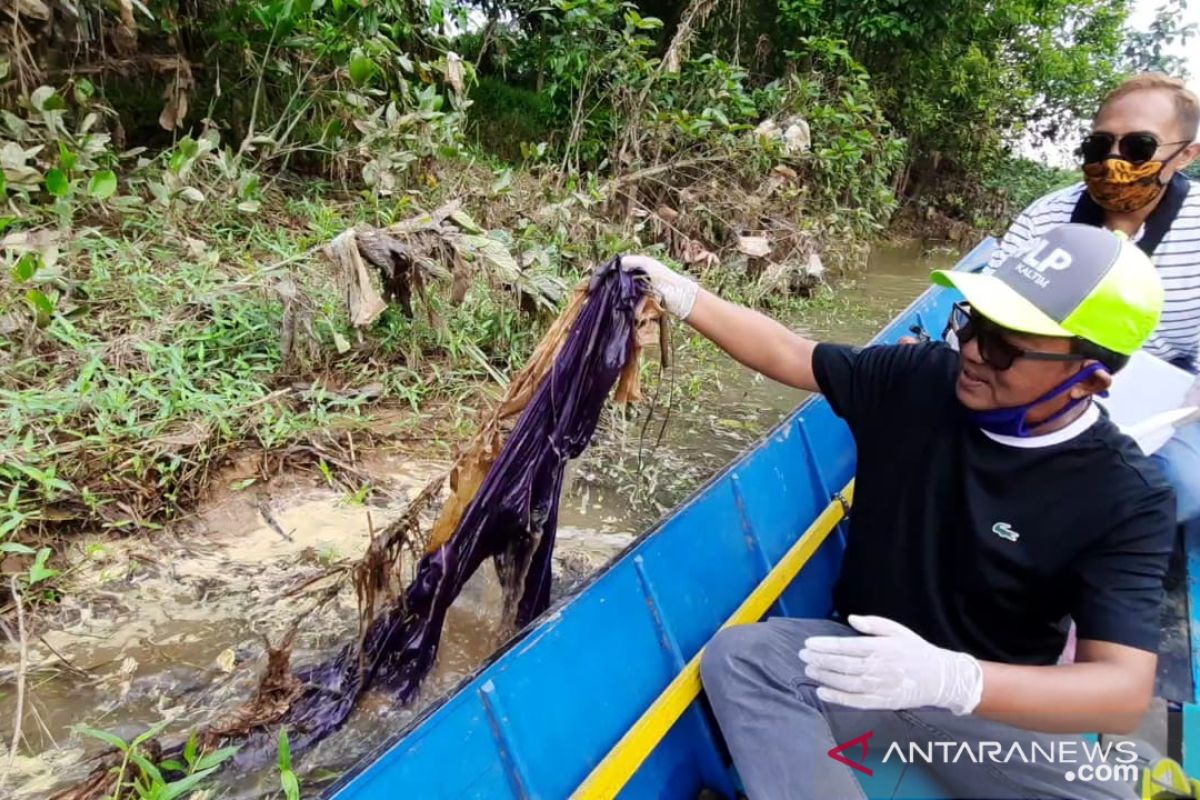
{"type": "Point", "coordinates": [993, 501]}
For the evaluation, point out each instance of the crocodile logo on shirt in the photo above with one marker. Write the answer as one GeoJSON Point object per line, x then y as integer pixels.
{"type": "Point", "coordinates": [1005, 531]}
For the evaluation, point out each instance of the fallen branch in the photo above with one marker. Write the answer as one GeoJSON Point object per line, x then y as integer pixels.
{"type": "Point", "coordinates": [265, 510]}
{"type": "Point", "coordinates": [78, 672]}
{"type": "Point", "coordinates": [634, 177]}
{"type": "Point", "coordinates": [620, 182]}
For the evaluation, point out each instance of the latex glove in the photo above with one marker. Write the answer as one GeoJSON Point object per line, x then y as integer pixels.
{"type": "Point", "coordinates": [891, 668]}
{"type": "Point", "coordinates": [677, 293]}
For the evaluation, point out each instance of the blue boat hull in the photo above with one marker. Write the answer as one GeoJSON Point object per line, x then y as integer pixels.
{"type": "Point", "coordinates": [535, 720]}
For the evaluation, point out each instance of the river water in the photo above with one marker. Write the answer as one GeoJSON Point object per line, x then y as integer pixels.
{"type": "Point", "coordinates": [172, 626]}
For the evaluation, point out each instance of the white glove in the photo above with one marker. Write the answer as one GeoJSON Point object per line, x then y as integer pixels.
{"type": "Point", "coordinates": [891, 668]}
{"type": "Point", "coordinates": [678, 294]}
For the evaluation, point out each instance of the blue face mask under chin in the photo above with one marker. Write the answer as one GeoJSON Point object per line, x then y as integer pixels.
{"type": "Point", "coordinates": [1011, 421]}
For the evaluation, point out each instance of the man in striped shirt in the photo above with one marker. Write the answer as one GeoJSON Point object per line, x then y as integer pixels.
{"type": "Point", "coordinates": [1142, 138]}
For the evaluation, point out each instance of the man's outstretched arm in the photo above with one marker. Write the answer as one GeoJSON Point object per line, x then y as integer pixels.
{"type": "Point", "coordinates": [754, 339]}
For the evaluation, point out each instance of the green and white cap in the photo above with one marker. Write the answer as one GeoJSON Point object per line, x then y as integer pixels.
{"type": "Point", "coordinates": [1074, 280]}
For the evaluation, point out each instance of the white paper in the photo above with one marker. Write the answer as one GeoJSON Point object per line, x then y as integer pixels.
{"type": "Point", "coordinates": [1148, 399]}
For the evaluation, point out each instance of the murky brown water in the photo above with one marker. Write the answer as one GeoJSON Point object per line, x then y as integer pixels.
{"type": "Point", "coordinates": [172, 626]}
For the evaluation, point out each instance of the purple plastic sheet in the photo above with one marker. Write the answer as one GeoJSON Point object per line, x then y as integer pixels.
{"type": "Point", "coordinates": [512, 519]}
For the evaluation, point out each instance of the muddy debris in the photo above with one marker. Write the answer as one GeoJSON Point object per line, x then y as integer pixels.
{"type": "Point", "coordinates": [399, 625]}
{"type": "Point", "coordinates": [277, 690]}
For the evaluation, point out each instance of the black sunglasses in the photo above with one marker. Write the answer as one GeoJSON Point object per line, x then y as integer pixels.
{"type": "Point", "coordinates": [994, 347]}
{"type": "Point", "coordinates": [1135, 147]}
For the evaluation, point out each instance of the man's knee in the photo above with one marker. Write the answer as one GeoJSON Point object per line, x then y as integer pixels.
{"type": "Point", "coordinates": [762, 653]}
{"type": "Point", "coordinates": [728, 655]}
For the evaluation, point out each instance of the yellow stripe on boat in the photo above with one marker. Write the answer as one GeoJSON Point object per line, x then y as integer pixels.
{"type": "Point", "coordinates": [611, 774]}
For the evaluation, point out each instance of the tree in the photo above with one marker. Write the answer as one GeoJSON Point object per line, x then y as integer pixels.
{"type": "Point", "coordinates": [1151, 50]}
{"type": "Point", "coordinates": [960, 78]}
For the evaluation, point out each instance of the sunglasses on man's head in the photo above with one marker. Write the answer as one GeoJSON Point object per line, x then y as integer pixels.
{"type": "Point", "coordinates": [994, 347]}
{"type": "Point", "coordinates": [1135, 147]}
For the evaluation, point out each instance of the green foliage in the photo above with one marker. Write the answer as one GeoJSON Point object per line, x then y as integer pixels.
{"type": "Point", "coordinates": [1021, 181]}
{"type": "Point", "coordinates": [39, 571]}
{"type": "Point", "coordinates": [329, 85]}
{"type": "Point", "coordinates": [960, 79]}
{"type": "Point", "coordinates": [1150, 50]}
{"type": "Point", "coordinates": [595, 55]}
{"type": "Point", "coordinates": [55, 159]}
{"type": "Point", "coordinates": [284, 66]}
{"type": "Point", "coordinates": [287, 776]}
{"type": "Point", "coordinates": [372, 93]}
{"type": "Point", "coordinates": [46, 145]}
{"type": "Point", "coordinates": [856, 151]}
{"type": "Point", "coordinates": [102, 185]}
{"type": "Point", "coordinates": [615, 106]}
{"type": "Point", "coordinates": [504, 117]}
{"type": "Point", "coordinates": [56, 183]}
{"type": "Point", "coordinates": [397, 136]}
{"type": "Point", "coordinates": [139, 778]}
{"type": "Point", "coordinates": [708, 102]}
{"type": "Point", "coordinates": [215, 365]}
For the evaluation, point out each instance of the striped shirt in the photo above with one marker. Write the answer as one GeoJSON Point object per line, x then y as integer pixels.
{"type": "Point", "coordinates": [1177, 258]}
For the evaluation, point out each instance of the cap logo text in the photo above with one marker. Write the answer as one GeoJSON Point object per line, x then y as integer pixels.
{"type": "Point", "coordinates": [1035, 262]}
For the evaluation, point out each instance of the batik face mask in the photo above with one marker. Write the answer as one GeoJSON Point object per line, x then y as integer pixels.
{"type": "Point", "coordinates": [1122, 186]}
{"type": "Point", "coordinates": [1129, 182]}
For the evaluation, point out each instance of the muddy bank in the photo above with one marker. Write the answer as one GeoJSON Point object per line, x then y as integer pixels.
{"type": "Point", "coordinates": [172, 625]}
{"type": "Point", "coordinates": [175, 626]}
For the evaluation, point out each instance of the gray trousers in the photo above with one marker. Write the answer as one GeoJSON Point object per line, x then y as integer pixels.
{"type": "Point", "coordinates": [779, 732]}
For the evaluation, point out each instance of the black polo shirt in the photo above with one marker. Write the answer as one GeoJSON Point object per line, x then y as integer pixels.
{"type": "Point", "coordinates": [982, 546]}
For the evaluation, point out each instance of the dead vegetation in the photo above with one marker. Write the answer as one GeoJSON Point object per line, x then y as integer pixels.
{"type": "Point", "coordinates": [715, 218]}
{"type": "Point", "coordinates": [445, 244]}
{"type": "Point", "coordinates": [737, 229]}
{"type": "Point", "coordinates": [379, 577]}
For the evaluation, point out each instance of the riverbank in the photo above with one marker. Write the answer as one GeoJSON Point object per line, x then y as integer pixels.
{"type": "Point", "coordinates": [170, 624]}
{"type": "Point", "coordinates": [147, 351]}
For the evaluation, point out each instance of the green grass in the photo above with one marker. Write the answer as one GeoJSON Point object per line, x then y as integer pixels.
{"type": "Point", "coordinates": [117, 412]}
{"type": "Point", "coordinates": [139, 778]}
{"type": "Point", "coordinates": [161, 356]}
